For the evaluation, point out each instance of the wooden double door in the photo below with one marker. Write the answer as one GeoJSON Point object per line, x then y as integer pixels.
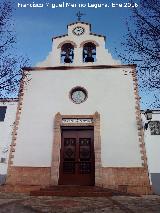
{"type": "Point", "coordinates": [77, 161]}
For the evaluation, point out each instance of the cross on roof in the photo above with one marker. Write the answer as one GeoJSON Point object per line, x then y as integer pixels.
{"type": "Point", "coordinates": [79, 15]}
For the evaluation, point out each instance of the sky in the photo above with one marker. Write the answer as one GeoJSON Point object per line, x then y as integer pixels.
{"type": "Point", "coordinates": [35, 26]}
{"type": "Point", "coordinates": [36, 22]}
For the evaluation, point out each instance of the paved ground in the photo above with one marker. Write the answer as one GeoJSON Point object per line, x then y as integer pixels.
{"type": "Point", "coordinates": [18, 203]}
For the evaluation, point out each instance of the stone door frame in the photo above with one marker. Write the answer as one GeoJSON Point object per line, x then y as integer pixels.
{"type": "Point", "coordinates": [58, 124]}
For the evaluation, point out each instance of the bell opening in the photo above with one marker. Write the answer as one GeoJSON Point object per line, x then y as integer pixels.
{"type": "Point", "coordinates": [89, 59]}
{"type": "Point", "coordinates": [67, 60]}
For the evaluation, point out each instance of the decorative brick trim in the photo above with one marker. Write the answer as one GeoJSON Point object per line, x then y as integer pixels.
{"type": "Point", "coordinates": [4, 100]}
{"type": "Point", "coordinates": [29, 176]}
{"type": "Point", "coordinates": [138, 119]}
{"type": "Point", "coordinates": [57, 145]}
{"type": "Point", "coordinates": [89, 41]}
{"type": "Point", "coordinates": [67, 41]}
{"type": "Point", "coordinates": [81, 22]}
{"type": "Point", "coordinates": [16, 123]}
{"type": "Point", "coordinates": [61, 36]}
{"type": "Point", "coordinates": [131, 180]}
{"type": "Point", "coordinates": [95, 34]}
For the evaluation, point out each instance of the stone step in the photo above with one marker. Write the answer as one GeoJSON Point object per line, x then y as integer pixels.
{"type": "Point", "coordinates": [70, 193]}
{"type": "Point", "coordinates": [75, 191]}
{"type": "Point", "coordinates": [72, 188]}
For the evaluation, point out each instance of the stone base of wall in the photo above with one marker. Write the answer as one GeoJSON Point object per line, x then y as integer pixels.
{"type": "Point", "coordinates": [131, 180]}
{"type": "Point", "coordinates": [18, 188]}
{"type": "Point", "coordinates": [29, 176]}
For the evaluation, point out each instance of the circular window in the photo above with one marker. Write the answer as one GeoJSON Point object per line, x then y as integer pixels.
{"type": "Point", "coordinates": [78, 95]}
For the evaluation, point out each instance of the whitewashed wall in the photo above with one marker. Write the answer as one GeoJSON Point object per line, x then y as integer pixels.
{"type": "Point", "coordinates": [110, 92]}
{"type": "Point", "coordinates": [152, 143]}
{"type": "Point", "coordinates": [6, 128]}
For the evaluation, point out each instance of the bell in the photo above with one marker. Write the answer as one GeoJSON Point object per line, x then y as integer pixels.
{"type": "Point", "coordinates": [89, 59]}
{"type": "Point", "coordinates": [67, 60]}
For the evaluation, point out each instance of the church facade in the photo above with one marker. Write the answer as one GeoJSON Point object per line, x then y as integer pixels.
{"type": "Point", "coordinates": [78, 119]}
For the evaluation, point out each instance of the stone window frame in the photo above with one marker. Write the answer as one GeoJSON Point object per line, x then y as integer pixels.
{"type": "Point", "coordinates": [58, 124]}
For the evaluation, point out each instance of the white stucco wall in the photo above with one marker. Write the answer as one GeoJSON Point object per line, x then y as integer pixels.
{"type": "Point", "coordinates": [6, 128]}
{"type": "Point", "coordinates": [110, 92]}
{"type": "Point", "coordinates": [152, 143]}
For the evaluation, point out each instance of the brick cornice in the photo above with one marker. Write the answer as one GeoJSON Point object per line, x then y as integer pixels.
{"type": "Point", "coordinates": [79, 67]}
{"type": "Point", "coordinates": [6, 100]}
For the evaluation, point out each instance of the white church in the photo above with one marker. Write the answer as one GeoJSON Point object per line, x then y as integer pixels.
{"type": "Point", "coordinates": [78, 120]}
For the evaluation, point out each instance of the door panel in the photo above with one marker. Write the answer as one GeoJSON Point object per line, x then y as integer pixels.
{"type": "Point", "coordinates": [77, 157]}
{"type": "Point", "coordinates": [69, 155]}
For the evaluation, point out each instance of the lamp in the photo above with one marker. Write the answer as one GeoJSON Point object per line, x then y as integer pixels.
{"type": "Point", "coordinates": [148, 115]}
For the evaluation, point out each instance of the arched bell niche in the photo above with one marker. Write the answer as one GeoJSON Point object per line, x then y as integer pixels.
{"type": "Point", "coordinates": [89, 52]}
{"type": "Point", "coordinates": [67, 53]}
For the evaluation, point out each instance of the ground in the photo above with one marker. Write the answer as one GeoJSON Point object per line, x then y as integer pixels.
{"type": "Point", "coordinates": [20, 203]}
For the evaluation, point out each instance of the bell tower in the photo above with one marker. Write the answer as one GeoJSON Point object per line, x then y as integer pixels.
{"type": "Point", "coordinates": [79, 47]}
